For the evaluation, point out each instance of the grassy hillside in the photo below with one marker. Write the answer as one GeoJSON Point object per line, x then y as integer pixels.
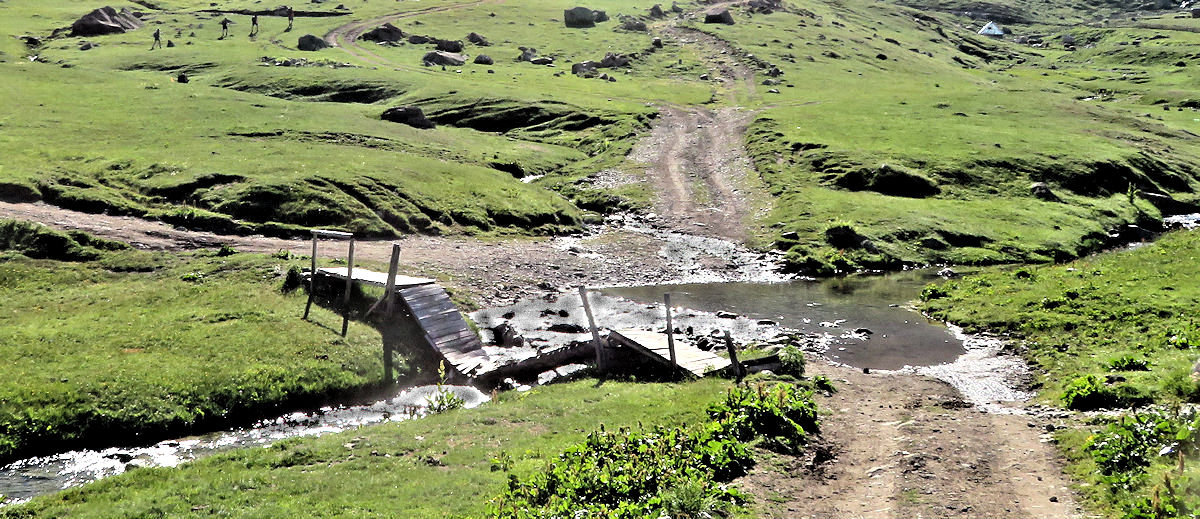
{"type": "Point", "coordinates": [1115, 331]}
{"type": "Point", "coordinates": [897, 137]}
{"type": "Point", "coordinates": [102, 343]}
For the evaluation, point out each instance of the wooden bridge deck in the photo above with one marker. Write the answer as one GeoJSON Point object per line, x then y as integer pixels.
{"type": "Point", "coordinates": [378, 279]}
{"type": "Point", "coordinates": [654, 345]}
{"type": "Point", "coordinates": [445, 329]}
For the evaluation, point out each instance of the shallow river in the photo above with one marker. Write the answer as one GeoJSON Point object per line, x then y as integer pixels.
{"type": "Point", "coordinates": [834, 308]}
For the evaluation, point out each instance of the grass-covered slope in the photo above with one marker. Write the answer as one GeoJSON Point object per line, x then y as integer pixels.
{"type": "Point", "coordinates": [1115, 331]}
{"type": "Point", "coordinates": [250, 146]}
{"type": "Point", "coordinates": [897, 137]}
{"type": "Point", "coordinates": [127, 345]}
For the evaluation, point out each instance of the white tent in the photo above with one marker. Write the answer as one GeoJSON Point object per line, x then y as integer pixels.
{"type": "Point", "coordinates": [992, 29]}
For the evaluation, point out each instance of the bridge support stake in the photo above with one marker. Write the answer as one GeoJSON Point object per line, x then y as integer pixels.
{"type": "Point", "coordinates": [389, 295]}
{"type": "Point", "coordinates": [312, 278]}
{"type": "Point", "coordinates": [587, 309]}
{"type": "Point", "coordinates": [349, 286]}
{"type": "Point", "coordinates": [670, 334]}
{"type": "Point", "coordinates": [732, 349]}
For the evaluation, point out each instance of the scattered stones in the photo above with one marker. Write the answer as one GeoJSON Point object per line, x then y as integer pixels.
{"type": "Point", "coordinates": [863, 331]}
{"type": "Point", "coordinates": [720, 15]}
{"type": "Point", "coordinates": [86, 45]}
{"type": "Point", "coordinates": [881, 56]}
{"type": "Point", "coordinates": [579, 17]}
{"type": "Point", "coordinates": [311, 43]}
{"type": "Point", "coordinates": [726, 315]}
{"type": "Point", "coordinates": [947, 273]}
{"type": "Point", "coordinates": [170, 44]}
{"type": "Point", "coordinates": [657, 43]}
{"type": "Point", "coordinates": [410, 115]}
{"type": "Point", "coordinates": [773, 91]}
{"type": "Point", "coordinates": [585, 68]}
{"type": "Point", "coordinates": [417, 39]}
{"type": "Point", "coordinates": [542, 60]}
{"type": "Point", "coordinates": [476, 39]}
{"type": "Point", "coordinates": [483, 59]}
{"type": "Point", "coordinates": [657, 11]}
{"type": "Point", "coordinates": [599, 16]}
{"type": "Point", "coordinates": [105, 20]}
{"type": "Point", "coordinates": [771, 82]}
{"type": "Point", "coordinates": [438, 57]}
{"type": "Point", "coordinates": [385, 32]}
{"type": "Point", "coordinates": [703, 77]}
{"type": "Point", "coordinates": [182, 78]}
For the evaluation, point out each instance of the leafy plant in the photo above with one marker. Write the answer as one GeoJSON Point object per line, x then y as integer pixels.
{"type": "Point", "coordinates": [1128, 363]}
{"type": "Point", "coordinates": [792, 361]}
{"type": "Point", "coordinates": [443, 399]}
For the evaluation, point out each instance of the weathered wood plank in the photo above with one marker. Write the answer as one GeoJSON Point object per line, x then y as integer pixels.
{"type": "Point", "coordinates": [373, 278]}
{"type": "Point", "coordinates": [657, 347]}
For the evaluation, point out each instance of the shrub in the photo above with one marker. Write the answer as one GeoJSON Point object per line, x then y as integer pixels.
{"type": "Point", "coordinates": [1128, 363]}
{"type": "Point", "coordinates": [931, 292]}
{"type": "Point", "coordinates": [792, 361]}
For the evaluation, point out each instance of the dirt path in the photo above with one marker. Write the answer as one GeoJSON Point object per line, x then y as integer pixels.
{"type": "Point", "coordinates": [907, 446]}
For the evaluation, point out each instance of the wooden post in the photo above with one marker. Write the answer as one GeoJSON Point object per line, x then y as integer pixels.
{"type": "Point", "coordinates": [393, 268]}
{"type": "Point", "coordinates": [587, 309]}
{"type": "Point", "coordinates": [670, 334]}
{"type": "Point", "coordinates": [312, 278]}
{"type": "Point", "coordinates": [732, 348]}
{"type": "Point", "coordinates": [349, 285]}
{"type": "Point", "coordinates": [389, 295]}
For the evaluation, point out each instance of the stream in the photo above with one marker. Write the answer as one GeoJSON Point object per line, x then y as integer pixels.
{"type": "Point", "coordinates": [27, 478]}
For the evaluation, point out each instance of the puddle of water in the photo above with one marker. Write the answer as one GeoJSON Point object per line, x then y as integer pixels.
{"type": "Point", "coordinates": [832, 308]}
{"type": "Point", "coordinates": [24, 479]}
{"type": "Point", "coordinates": [1182, 221]}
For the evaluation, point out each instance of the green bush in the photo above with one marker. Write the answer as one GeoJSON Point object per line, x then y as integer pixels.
{"type": "Point", "coordinates": [792, 361]}
{"type": "Point", "coordinates": [672, 471]}
{"type": "Point", "coordinates": [1128, 363]}
{"type": "Point", "coordinates": [1090, 392]}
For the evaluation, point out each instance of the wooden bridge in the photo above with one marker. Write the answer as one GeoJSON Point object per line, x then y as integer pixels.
{"type": "Point", "coordinates": [670, 351]}
{"type": "Point", "coordinates": [442, 325]}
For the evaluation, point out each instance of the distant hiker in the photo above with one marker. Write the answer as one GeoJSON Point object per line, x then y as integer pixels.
{"type": "Point", "coordinates": [157, 39]}
{"type": "Point", "coordinates": [224, 28]}
{"type": "Point", "coordinates": [291, 17]}
{"type": "Point", "coordinates": [254, 25]}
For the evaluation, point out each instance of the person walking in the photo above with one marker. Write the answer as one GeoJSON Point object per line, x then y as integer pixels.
{"type": "Point", "coordinates": [254, 25]}
{"type": "Point", "coordinates": [291, 17]}
{"type": "Point", "coordinates": [224, 28]}
{"type": "Point", "coordinates": [157, 39]}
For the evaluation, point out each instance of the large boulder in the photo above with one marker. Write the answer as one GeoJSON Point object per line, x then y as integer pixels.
{"type": "Point", "coordinates": [1042, 191]}
{"type": "Point", "coordinates": [614, 60]}
{"type": "Point", "coordinates": [585, 68]}
{"type": "Point", "coordinates": [527, 54]}
{"type": "Point", "coordinates": [311, 43]}
{"type": "Point", "coordinates": [443, 58]}
{"type": "Point", "coordinates": [633, 24]}
{"type": "Point", "coordinates": [409, 115]}
{"type": "Point", "coordinates": [484, 59]}
{"type": "Point", "coordinates": [657, 11]}
{"type": "Point", "coordinates": [449, 45]}
{"type": "Point", "coordinates": [105, 20]}
{"type": "Point", "coordinates": [720, 15]}
{"type": "Point", "coordinates": [417, 39]}
{"type": "Point", "coordinates": [478, 40]}
{"type": "Point", "coordinates": [579, 17]}
{"type": "Point", "coordinates": [385, 32]}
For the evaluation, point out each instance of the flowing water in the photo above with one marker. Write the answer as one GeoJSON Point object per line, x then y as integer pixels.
{"type": "Point", "coordinates": [864, 320]}
{"type": "Point", "coordinates": [30, 477]}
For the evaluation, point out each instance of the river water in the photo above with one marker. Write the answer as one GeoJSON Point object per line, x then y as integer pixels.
{"type": "Point", "coordinates": [30, 477]}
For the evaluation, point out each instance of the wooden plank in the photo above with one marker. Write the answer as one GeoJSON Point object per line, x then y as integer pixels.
{"type": "Point", "coordinates": [656, 346]}
{"type": "Point", "coordinates": [379, 279]}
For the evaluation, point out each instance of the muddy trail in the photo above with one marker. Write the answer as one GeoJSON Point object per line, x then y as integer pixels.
{"type": "Point", "coordinates": [346, 36]}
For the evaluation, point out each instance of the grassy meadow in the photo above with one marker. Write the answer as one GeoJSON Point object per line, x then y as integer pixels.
{"type": "Point", "coordinates": [118, 345]}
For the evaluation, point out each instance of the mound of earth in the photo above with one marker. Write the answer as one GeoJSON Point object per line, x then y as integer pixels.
{"type": "Point", "coordinates": [105, 20]}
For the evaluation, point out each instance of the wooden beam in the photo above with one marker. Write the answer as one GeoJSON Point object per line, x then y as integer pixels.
{"type": "Point", "coordinates": [587, 309]}
{"type": "Point", "coordinates": [393, 267]}
{"type": "Point", "coordinates": [332, 234]}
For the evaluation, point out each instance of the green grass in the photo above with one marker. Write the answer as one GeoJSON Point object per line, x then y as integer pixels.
{"type": "Point", "coordinates": [1116, 330]}
{"type": "Point", "coordinates": [866, 86]}
{"type": "Point", "coordinates": [440, 466]}
{"type": "Point", "coordinates": [137, 345]}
